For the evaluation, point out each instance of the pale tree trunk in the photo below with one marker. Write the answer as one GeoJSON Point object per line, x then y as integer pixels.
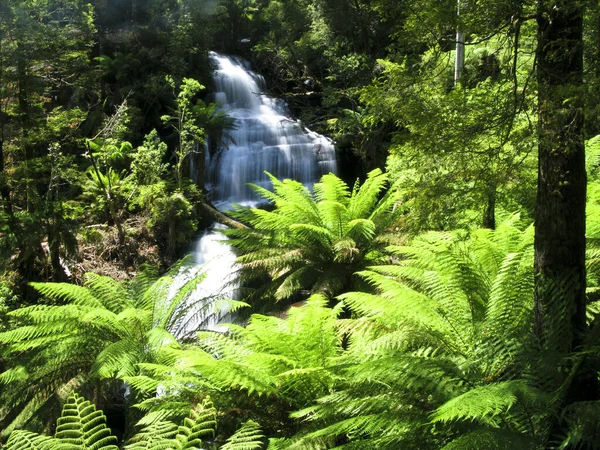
{"type": "Point", "coordinates": [459, 61]}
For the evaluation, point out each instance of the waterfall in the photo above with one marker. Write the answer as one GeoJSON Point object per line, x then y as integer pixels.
{"type": "Point", "coordinates": [267, 139]}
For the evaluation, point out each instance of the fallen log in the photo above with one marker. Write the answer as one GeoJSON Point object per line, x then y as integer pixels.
{"type": "Point", "coordinates": [221, 217]}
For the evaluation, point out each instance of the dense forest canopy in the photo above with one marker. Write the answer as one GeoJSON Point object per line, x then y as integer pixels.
{"type": "Point", "coordinates": [439, 291]}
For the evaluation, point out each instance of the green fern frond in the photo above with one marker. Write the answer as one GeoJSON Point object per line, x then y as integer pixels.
{"type": "Point", "coordinates": [248, 437]}
{"type": "Point", "coordinates": [331, 189]}
{"type": "Point", "coordinates": [111, 293]}
{"type": "Point", "coordinates": [320, 231]}
{"type": "Point", "coordinates": [82, 426]}
{"type": "Point", "coordinates": [71, 293]}
{"type": "Point", "coordinates": [364, 198]}
{"type": "Point", "coordinates": [484, 403]}
{"type": "Point", "coordinates": [201, 424]}
{"type": "Point", "coordinates": [93, 335]}
{"type": "Point", "coordinates": [157, 436]}
{"type": "Point", "coordinates": [27, 440]}
{"type": "Point", "coordinates": [493, 439]}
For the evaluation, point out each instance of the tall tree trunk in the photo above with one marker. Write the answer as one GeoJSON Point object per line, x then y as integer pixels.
{"type": "Point", "coordinates": [560, 216]}
{"type": "Point", "coordinates": [4, 189]}
{"type": "Point", "coordinates": [489, 214]}
{"type": "Point", "coordinates": [459, 61]}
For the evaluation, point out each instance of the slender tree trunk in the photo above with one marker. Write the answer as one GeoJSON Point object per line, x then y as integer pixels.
{"type": "Point", "coordinates": [4, 189]}
{"type": "Point", "coordinates": [560, 300]}
{"type": "Point", "coordinates": [489, 214]}
{"type": "Point", "coordinates": [459, 61]}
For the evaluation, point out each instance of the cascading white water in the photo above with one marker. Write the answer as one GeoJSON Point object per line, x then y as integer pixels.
{"type": "Point", "coordinates": [265, 139]}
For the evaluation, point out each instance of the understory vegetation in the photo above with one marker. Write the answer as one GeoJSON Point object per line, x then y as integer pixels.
{"type": "Point", "coordinates": [441, 291]}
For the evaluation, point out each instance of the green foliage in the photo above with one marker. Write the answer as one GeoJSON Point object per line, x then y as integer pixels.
{"type": "Point", "coordinates": [99, 331]}
{"type": "Point", "coordinates": [27, 440]}
{"type": "Point", "coordinates": [248, 437]}
{"type": "Point", "coordinates": [487, 124]}
{"type": "Point", "coordinates": [442, 333]}
{"type": "Point", "coordinates": [315, 241]}
{"type": "Point", "coordinates": [173, 222]}
{"type": "Point", "coordinates": [199, 425]}
{"type": "Point", "coordinates": [184, 119]}
{"type": "Point", "coordinates": [156, 436]}
{"type": "Point", "coordinates": [82, 426]}
{"type": "Point", "coordinates": [277, 364]}
{"type": "Point", "coordinates": [107, 194]}
{"type": "Point", "coordinates": [146, 165]}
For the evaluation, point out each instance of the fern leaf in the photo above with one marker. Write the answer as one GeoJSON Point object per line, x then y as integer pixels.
{"type": "Point", "coordinates": [492, 440]}
{"type": "Point", "coordinates": [248, 437]}
{"type": "Point", "coordinates": [484, 403]}
{"type": "Point", "coordinates": [156, 436]}
{"type": "Point", "coordinates": [26, 440]}
{"type": "Point", "coordinates": [71, 293]}
{"type": "Point", "coordinates": [81, 425]}
{"type": "Point", "coordinates": [201, 424]}
{"type": "Point", "coordinates": [364, 198]}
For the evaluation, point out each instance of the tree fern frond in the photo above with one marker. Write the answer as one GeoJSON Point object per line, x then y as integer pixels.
{"type": "Point", "coordinates": [318, 231]}
{"type": "Point", "coordinates": [71, 293]}
{"type": "Point", "coordinates": [312, 234]}
{"type": "Point", "coordinates": [26, 412]}
{"type": "Point", "coordinates": [293, 282]}
{"type": "Point", "coordinates": [361, 230]}
{"type": "Point", "coordinates": [248, 437]}
{"type": "Point", "coordinates": [118, 359]}
{"type": "Point", "coordinates": [365, 197]}
{"type": "Point", "coordinates": [157, 436]}
{"type": "Point", "coordinates": [111, 293]}
{"type": "Point", "coordinates": [27, 440]}
{"type": "Point", "coordinates": [331, 189]}
{"type": "Point", "coordinates": [492, 439]}
{"type": "Point", "coordinates": [334, 217]}
{"type": "Point", "coordinates": [200, 424]}
{"type": "Point", "coordinates": [484, 403]}
{"type": "Point", "coordinates": [82, 425]}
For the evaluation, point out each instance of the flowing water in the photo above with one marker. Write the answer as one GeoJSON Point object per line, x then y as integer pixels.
{"type": "Point", "coordinates": [266, 139]}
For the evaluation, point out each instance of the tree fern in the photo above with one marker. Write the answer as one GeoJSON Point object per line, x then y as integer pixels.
{"type": "Point", "coordinates": [313, 242]}
{"type": "Point", "coordinates": [157, 436]}
{"type": "Point", "coordinates": [284, 361]}
{"type": "Point", "coordinates": [82, 427]}
{"type": "Point", "coordinates": [102, 330]}
{"type": "Point", "coordinates": [443, 333]}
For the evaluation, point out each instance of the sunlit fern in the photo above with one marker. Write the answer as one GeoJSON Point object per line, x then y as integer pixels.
{"type": "Point", "coordinates": [443, 333]}
{"type": "Point", "coordinates": [283, 361]}
{"type": "Point", "coordinates": [248, 437]}
{"type": "Point", "coordinates": [314, 242]}
{"type": "Point", "coordinates": [99, 331]}
{"type": "Point", "coordinates": [82, 427]}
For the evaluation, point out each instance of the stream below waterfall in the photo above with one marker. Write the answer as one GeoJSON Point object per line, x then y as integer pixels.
{"type": "Point", "coordinates": [265, 139]}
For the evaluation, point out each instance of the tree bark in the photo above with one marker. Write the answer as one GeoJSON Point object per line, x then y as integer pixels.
{"type": "Point", "coordinates": [560, 301]}
{"type": "Point", "coordinates": [489, 214]}
{"type": "Point", "coordinates": [459, 61]}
